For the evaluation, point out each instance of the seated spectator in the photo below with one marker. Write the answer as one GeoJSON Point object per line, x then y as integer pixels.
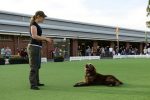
{"type": "Point", "coordinates": [23, 53]}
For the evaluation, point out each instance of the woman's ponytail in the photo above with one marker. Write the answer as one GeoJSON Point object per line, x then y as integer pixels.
{"type": "Point", "coordinates": [32, 19]}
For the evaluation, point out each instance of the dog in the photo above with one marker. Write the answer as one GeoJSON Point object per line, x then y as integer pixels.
{"type": "Point", "coordinates": [93, 78]}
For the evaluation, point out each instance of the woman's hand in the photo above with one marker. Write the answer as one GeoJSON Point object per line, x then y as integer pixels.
{"type": "Point", "coordinates": [49, 40]}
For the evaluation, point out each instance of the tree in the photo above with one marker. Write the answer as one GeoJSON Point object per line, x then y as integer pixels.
{"type": "Point", "coordinates": [148, 22]}
{"type": "Point", "coordinates": [148, 13]}
{"type": "Point", "coordinates": [148, 8]}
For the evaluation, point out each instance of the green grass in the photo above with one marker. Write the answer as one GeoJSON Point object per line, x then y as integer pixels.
{"type": "Point", "coordinates": [60, 77]}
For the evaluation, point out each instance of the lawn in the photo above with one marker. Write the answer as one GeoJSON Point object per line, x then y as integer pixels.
{"type": "Point", "coordinates": [60, 77]}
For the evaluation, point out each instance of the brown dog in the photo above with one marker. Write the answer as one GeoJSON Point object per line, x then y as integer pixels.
{"type": "Point", "coordinates": [94, 78]}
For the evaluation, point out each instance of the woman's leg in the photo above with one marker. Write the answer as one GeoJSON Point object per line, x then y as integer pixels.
{"type": "Point", "coordinates": [33, 53]}
{"type": "Point", "coordinates": [39, 66]}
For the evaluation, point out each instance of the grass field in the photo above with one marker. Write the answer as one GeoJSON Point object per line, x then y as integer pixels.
{"type": "Point", "coordinates": [60, 77]}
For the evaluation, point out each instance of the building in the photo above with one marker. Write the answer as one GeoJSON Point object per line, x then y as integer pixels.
{"type": "Point", "coordinates": [67, 35]}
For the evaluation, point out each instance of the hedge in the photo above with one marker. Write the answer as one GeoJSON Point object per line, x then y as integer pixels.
{"type": "Point", "coordinates": [2, 61]}
{"type": "Point", "coordinates": [18, 60]}
{"type": "Point", "coordinates": [58, 59]}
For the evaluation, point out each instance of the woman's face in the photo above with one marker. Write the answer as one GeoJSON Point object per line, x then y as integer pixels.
{"type": "Point", "coordinates": [40, 19]}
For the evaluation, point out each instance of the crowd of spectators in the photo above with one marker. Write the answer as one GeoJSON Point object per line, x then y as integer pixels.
{"type": "Point", "coordinates": [122, 50]}
{"type": "Point", "coordinates": [7, 52]}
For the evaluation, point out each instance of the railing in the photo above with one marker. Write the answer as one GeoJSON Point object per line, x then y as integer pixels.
{"type": "Point", "coordinates": [79, 58]}
{"type": "Point", "coordinates": [130, 56]}
{"type": "Point", "coordinates": [85, 58]}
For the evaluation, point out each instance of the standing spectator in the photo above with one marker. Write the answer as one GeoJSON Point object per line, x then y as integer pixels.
{"type": "Point", "coordinates": [133, 51]}
{"type": "Point", "coordinates": [102, 51]}
{"type": "Point", "coordinates": [107, 51]}
{"type": "Point", "coordinates": [60, 52]}
{"type": "Point", "coordinates": [127, 51]}
{"type": "Point", "coordinates": [136, 51]}
{"type": "Point", "coordinates": [130, 50]}
{"type": "Point", "coordinates": [120, 50]}
{"type": "Point", "coordinates": [79, 51]}
{"type": "Point", "coordinates": [56, 52]}
{"type": "Point", "coordinates": [98, 51]}
{"type": "Point", "coordinates": [88, 51]}
{"type": "Point", "coordinates": [148, 50]}
{"type": "Point", "coordinates": [145, 50]}
{"type": "Point", "coordinates": [110, 50]}
{"type": "Point", "coordinates": [18, 52]}
{"type": "Point", "coordinates": [92, 51]}
{"type": "Point", "coordinates": [3, 52]}
{"type": "Point", "coordinates": [116, 50]}
{"type": "Point", "coordinates": [8, 53]}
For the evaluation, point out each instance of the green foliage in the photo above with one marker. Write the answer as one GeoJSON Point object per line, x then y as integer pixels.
{"type": "Point", "coordinates": [2, 61]}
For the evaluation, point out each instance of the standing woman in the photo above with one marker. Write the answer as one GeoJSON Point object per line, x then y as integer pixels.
{"type": "Point", "coordinates": [34, 48]}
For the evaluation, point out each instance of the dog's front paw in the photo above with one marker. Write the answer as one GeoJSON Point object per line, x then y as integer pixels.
{"type": "Point", "coordinates": [76, 85]}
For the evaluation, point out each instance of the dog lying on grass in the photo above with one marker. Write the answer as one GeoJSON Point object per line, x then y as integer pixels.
{"type": "Point", "coordinates": [93, 78]}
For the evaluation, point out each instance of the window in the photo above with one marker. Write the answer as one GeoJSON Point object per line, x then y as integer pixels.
{"type": "Point", "coordinates": [26, 38]}
{"type": "Point", "coordinates": [5, 37]}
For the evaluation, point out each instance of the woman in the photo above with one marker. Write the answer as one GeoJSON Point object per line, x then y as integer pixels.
{"type": "Point", "coordinates": [34, 48]}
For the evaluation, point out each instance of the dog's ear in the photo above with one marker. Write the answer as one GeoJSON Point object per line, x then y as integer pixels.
{"type": "Point", "coordinates": [93, 67]}
{"type": "Point", "coordinates": [86, 65]}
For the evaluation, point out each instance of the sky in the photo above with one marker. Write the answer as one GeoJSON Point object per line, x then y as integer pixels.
{"type": "Point", "coordinates": [122, 13]}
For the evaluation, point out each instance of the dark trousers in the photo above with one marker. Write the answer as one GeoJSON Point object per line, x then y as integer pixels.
{"type": "Point", "coordinates": [34, 53]}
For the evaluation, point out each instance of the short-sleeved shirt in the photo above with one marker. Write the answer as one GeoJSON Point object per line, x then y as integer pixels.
{"type": "Point", "coordinates": [39, 33]}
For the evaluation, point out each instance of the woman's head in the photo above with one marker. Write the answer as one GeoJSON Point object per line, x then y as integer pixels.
{"type": "Point", "coordinates": [38, 17]}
